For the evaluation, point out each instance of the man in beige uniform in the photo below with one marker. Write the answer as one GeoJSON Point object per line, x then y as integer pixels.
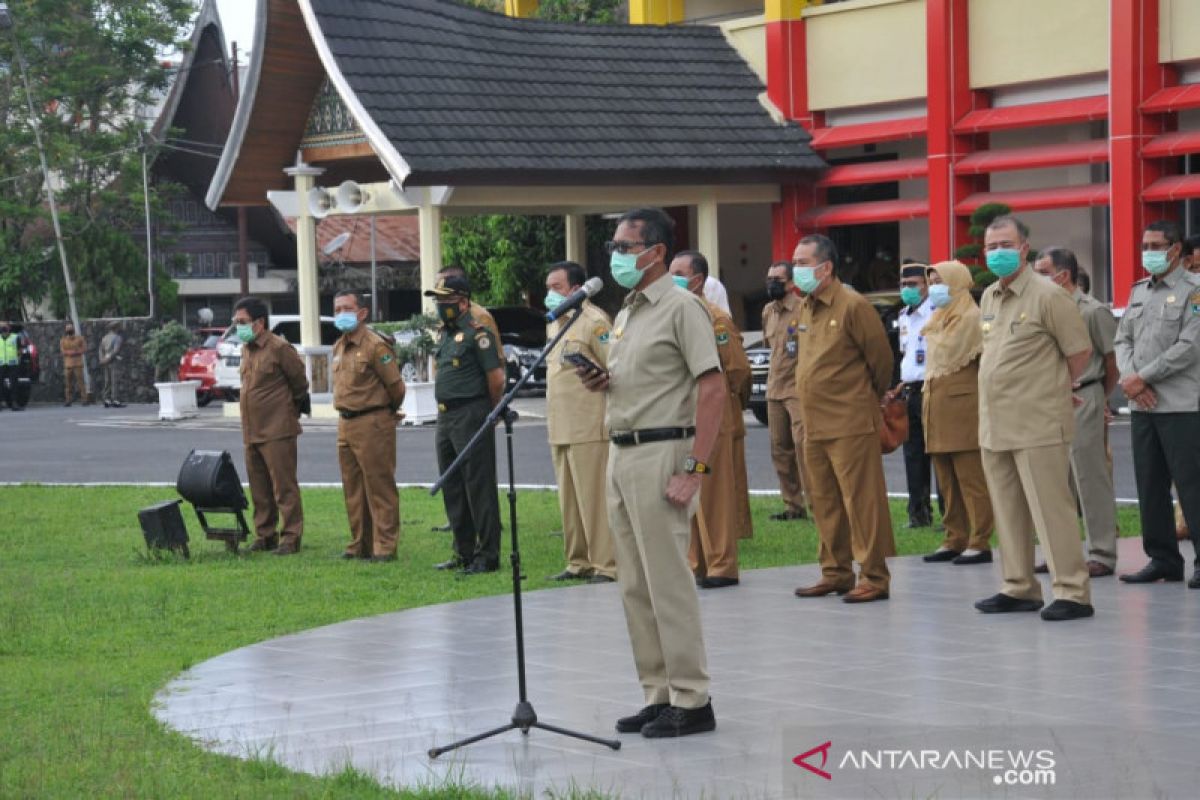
{"type": "Point", "coordinates": [1091, 473]}
{"type": "Point", "coordinates": [274, 390]}
{"type": "Point", "coordinates": [367, 393]}
{"type": "Point", "coordinates": [1035, 346]}
{"type": "Point", "coordinates": [844, 367]}
{"type": "Point", "coordinates": [663, 378]}
{"type": "Point", "coordinates": [73, 348]}
{"type": "Point", "coordinates": [578, 440]}
{"type": "Point", "coordinates": [779, 320]}
{"type": "Point", "coordinates": [723, 517]}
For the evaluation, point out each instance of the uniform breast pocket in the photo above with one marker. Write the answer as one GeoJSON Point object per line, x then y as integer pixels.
{"type": "Point", "coordinates": [361, 365]}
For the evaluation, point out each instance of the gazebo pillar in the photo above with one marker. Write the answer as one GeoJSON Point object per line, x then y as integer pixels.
{"type": "Point", "coordinates": [306, 253]}
{"type": "Point", "coordinates": [576, 238]}
{"type": "Point", "coordinates": [430, 223]}
{"type": "Point", "coordinates": [708, 240]}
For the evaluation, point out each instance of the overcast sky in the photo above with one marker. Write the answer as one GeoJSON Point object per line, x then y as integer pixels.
{"type": "Point", "coordinates": [238, 18]}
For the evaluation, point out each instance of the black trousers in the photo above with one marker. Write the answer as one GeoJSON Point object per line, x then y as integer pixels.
{"type": "Point", "coordinates": [1166, 449]}
{"type": "Point", "coordinates": [8, 386]}
{"type": "Point", "coordinates": [470, 495]}
{"type": "Point", "coordinates": [917, 466]}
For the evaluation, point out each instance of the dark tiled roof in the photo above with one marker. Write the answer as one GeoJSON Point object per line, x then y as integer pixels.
{"type": "Point", "coordinates": [462, 91]}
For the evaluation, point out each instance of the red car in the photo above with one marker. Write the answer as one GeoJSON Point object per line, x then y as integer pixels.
{"type": "Point", "coordinates": [200, 363]}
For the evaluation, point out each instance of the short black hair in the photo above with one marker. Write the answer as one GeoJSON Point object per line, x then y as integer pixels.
{"type": "Point", "coordinates": [576, 274]}
{"type": "Point", "coordinates": [1085, 282]}
{"type": "Point", "coordinates": [656, 226]}
{"type": "Point", "coordinates": [826, 249]}
{"type": "Point", "coordinates": [1005, 220]}
{"type": "Point", "coordinates": [1063, 259]}
{"type": "Point", "coordinates": [697, 260]}
{"type": "Point", "coordinates": [1170, 230]}
{"type": "Point", "coordinates": [256, 308]}
{"type": "Point", "coordinates": [359, 300]}
{"type": "Point", "coordinates": [1191, 244]}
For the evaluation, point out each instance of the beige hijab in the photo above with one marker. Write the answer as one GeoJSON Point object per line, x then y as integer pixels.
{"type": "Point", "coordinates": [952, 335]}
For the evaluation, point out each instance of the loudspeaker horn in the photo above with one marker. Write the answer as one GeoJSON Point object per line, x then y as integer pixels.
{"type": "Point", "coordinates": [351, 197]}
{"type": "Point", "coordinates": [320, 202]}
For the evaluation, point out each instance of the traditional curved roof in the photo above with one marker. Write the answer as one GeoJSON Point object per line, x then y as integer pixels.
{"type": "Point", "coordinates": [449, 94]}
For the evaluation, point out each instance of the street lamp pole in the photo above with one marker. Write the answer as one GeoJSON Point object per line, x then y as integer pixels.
{"type": "Point", "coordinates": [7, 23]}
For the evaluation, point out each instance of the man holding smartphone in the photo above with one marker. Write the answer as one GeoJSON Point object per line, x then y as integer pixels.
{"type": "Point", "coordinates": [665, 398]}
{"type": "Point", "coordinates": [575, 424]}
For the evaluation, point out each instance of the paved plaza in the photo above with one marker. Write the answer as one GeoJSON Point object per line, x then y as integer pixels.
{"type": "Point", "coordinates": [1114, 698]}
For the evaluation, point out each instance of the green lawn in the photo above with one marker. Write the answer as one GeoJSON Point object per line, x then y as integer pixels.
{"type": "Point", "coordinates": [91, 628]}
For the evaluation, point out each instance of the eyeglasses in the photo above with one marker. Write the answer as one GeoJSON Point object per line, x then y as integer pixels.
{"type": "Point", "coordinates": [622, 247]}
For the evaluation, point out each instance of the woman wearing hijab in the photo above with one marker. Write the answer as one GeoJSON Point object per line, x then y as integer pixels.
{"type": "Point", "coordinates": [953, 343]}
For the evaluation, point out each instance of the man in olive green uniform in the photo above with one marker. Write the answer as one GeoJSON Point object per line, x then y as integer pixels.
{"type": "Point", "coordinates": [1091, 474]}
{"type": "Point", "coordinates": [664, 387]}
{"type": "Point", "coordinates": [844, 367]}
{"type": "Point", "coordinates": [73, 348]}
{"type": "Point", "coordinates": [1158, 353]}
{"type": "Point", "coordinates": [578, 439]}
{"type": "Point", "coordinates": [779, 320]}
{"type": "Point", "coordinates": [367, 393]}
{"type": "Point", "coordinates": [468, 384]}
{"type": "Point", "coordinates": [723, 516]}
{"type": "Point", "coordinates": [1035, 346]}
{"type": "Point", "coordinates": [274, 389]}
{"type": "Point", "coordinates": [478, 312]}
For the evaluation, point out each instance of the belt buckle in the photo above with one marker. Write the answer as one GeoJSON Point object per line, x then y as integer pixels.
{"type": "Point", "coordinates": [637, 438]}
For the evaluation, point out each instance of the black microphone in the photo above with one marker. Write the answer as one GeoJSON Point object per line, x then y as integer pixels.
{"type": "Point", "coordinates": [576, 298]}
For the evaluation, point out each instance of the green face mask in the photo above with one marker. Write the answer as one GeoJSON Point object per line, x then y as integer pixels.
{"type": "Point", "coordinates": [681, 282]}
{"type": "Point", "coordinates": [245, 332]}
{"type": "Point", "coordinates": [911, 296]}
{"type": "Point", "coordinates": [553, 300]}
{"type": "Point", "coordinates": [624, 269]}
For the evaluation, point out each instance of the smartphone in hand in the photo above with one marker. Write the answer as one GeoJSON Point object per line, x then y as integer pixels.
{"type": "Point", "coordinates": [579, 360]}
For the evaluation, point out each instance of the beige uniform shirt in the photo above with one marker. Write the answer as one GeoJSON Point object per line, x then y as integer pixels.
{"type": "Point", "coordinates": [844, 364]}
{"type": "Point", "coordinates": [780, 318]}
{"type": "Point", "coordinates": [573, 414]}
{"type": "Point", "coordinates": [485, 318]}
{"type": "Point", "coordinates": [1029, 329]}
{"type": "Point", "coordinates": [73, 348]}
{"type": "Point", "coordinates": [273, 388]}
{"type": "Point", "coordinates": [662, 342]}
{"type": "Point", "coordinates": [365, 372]}
{"type": "Point", "coordinates": [1102, 329]}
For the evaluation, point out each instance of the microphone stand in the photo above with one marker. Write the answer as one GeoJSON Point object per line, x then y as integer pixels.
{"type": "Point", "coordinates": [524, 717]}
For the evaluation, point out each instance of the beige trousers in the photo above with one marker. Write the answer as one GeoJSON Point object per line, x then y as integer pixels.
{"type": "Point", "coordinates": [587, 543]}
{"type": "Point", "coordinates": [657, 587]}
{"type": "Point", "coordinates": [787, 450]}
{"type": "Point", "coordinates": [1030, 494]}
{"type": "Point", "coordinates": [1091, 476]}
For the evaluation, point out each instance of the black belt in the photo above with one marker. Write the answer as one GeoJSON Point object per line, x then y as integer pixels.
{"type": "Point", "coordinates": [364, 412]}
{"type": "Point", "coordinates": [450, 405]}
{"type": "Point", "coordinates": [1086, 384]}
{"type": "Point", "coordinates": [647, 435]}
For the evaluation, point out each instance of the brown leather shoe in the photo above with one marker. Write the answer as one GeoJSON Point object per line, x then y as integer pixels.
{"type": "Point", "coordinates": [287, 549]}
{"type": "Point", "coordinates": [820, 590]}
{"type": "Point", "coordinates": [1098, 570]}
{"type": "Point", "coordinates": [259, 545]}
{"type": "Point", "coordinates": [865, 593]}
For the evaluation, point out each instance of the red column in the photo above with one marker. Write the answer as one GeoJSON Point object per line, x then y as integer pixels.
{"type": "Point", "coordinates": [1134, 75]}
{"type": "Point", "coordinates": [949, 98]}
{"type": "Point", "coordinates": [787, 88]}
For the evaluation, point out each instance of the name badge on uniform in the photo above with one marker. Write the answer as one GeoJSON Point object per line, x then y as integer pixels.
{"type": "Point", "coordinates": [920, 358]}
{"type": "Point", "coordinates": [790, 348]}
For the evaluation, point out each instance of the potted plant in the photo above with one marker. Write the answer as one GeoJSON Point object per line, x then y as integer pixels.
{"type": "Point", "coordinates": [163, 350]}
{"type": "Point", "coordinates": [414, 345]}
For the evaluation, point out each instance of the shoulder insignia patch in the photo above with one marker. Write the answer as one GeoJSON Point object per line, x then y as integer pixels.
{"type": "Point", "coordinates": [722, 335]}
{"type": "Point", "coordinates": [601, 333]}
{"type": "Point", "coordinates": [1194, 301]}
{"type": "Point", "coordinates": [387, 358]}
{"type": "Point", "coordinates": [483, 341]}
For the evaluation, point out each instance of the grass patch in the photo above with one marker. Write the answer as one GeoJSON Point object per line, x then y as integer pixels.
{"type": "Point", "coordinates": [91, 628]}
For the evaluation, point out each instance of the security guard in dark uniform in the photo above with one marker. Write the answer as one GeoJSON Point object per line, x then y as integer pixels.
{"type": "Point", "coordinates": [468, 384]}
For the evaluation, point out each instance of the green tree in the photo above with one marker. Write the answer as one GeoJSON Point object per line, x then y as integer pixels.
{"type": "Point", "coordinates": [163, 349]}
{"type": "Point", "coordinates": [504, 255]}
{"type": "Point", "coordinates": [95, 70]}
{"type": "Point", "coordinates": [598, 11]}
{"type": "Point", "coordinates": [970, 253]}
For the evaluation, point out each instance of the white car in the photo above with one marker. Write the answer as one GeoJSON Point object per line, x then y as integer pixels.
{"type": "Point", "coordinates": [229, 349]}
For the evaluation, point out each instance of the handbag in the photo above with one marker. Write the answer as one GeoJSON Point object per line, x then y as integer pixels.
{"type": "Point", "coordinates": [894, 430]}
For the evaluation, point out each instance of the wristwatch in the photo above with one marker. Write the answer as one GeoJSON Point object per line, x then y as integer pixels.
{"type": "Point", "coordinates": [694, 467]}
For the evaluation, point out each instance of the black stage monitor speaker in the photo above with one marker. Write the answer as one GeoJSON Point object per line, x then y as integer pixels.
{"type": "Point", "coordinates": [163, 527]}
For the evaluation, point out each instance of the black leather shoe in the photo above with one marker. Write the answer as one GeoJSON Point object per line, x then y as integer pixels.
{"type": "Point", "coordinates": [1152, 573]}
{"type": "Point", "coordinates": [1003, 604]}
{"type": "Point", "coordinates": [941, 555]}
{"type": "Point", "coordinates": [676, 721]}
{"type": "Point", "coordinates": [1194, 581]}
{"type": "Point", "coordinates": [982, 557]}
{"type": "Point", "coordinates": [440, 528]}
{"type": "Point", "coordinates": [717, 582]}
{"type": "Point", "coordinates": [641, 719]}
{"type": "Point", "coordinates": [454, 563]}
{"type": "Point", "coordinates": [479, 566]}
{"type": "Point", "coordinates": [601, 579]}
{"type": "Point", "coordinates": [567, 575]}
{"type": "Point", "coordinates": [259, 545]}
{"type": "Point", "coordinates": [918, 522]}
{"type": "Point", "coordinates": [783, 516]}
{"type": "Point", "coordinates": [1061, 610]}
{"type": "Point", "coordinates": [383, 559]}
